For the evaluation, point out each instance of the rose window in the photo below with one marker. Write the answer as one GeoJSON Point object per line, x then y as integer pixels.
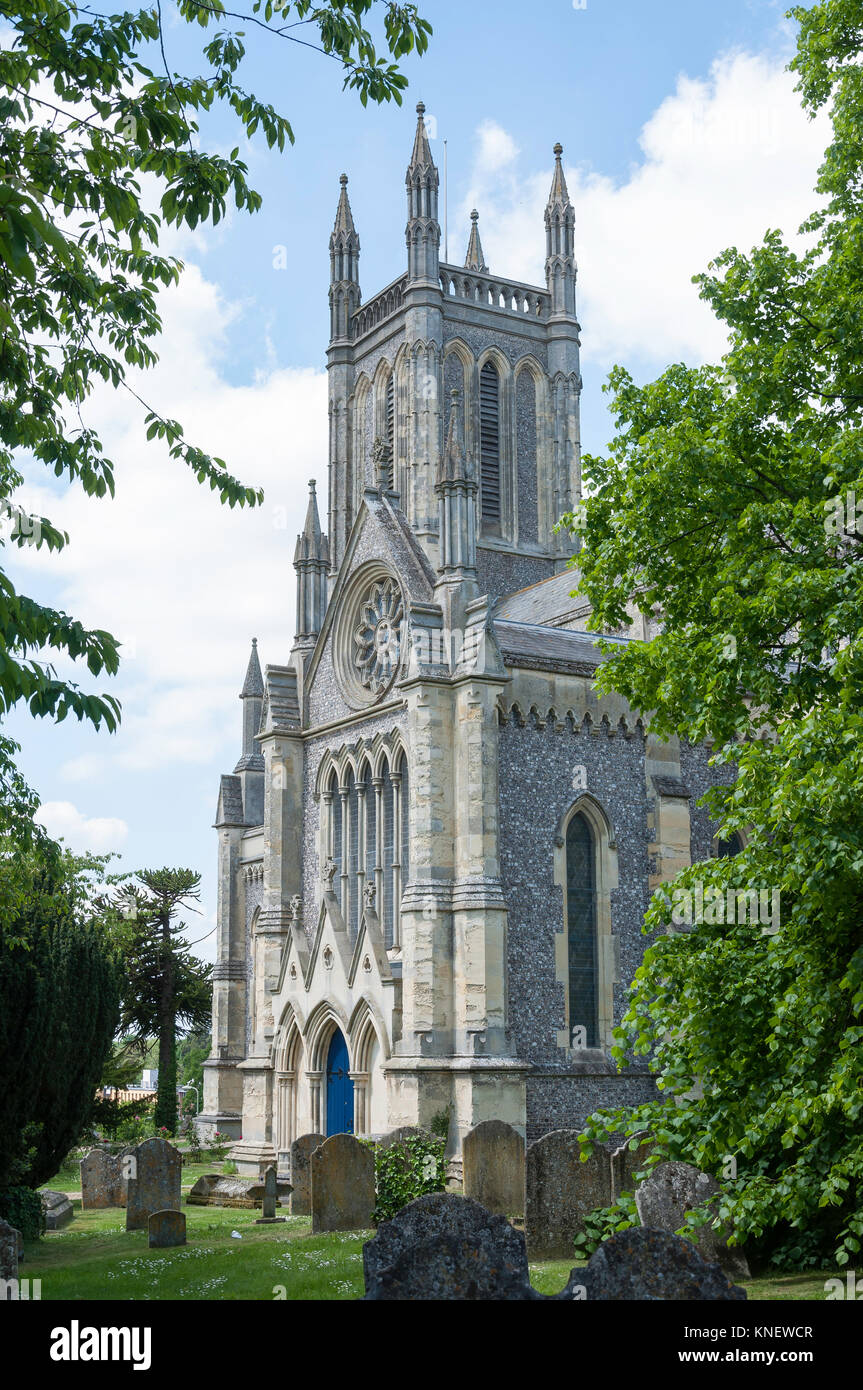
{"type": "Point", "coordinates": [377, 636]}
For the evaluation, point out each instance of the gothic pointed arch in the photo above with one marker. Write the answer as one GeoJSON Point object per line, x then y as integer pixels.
{"type": "Point", "coordinates": [586, 954]}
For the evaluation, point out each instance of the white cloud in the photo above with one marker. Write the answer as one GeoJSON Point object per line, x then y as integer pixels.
{"type": "Point", "coordinates": [184, 581]}
{"type": "Point", "coordinates": [98, 834]}
{"type": "Point", "coordinates": [725, 159]}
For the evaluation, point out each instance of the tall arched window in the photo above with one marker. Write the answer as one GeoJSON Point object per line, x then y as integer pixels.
{"type": "Point", "coordinates": [727, 849]}
{"type": "Point", "coordinates": [489, 435]}
{"type": "Point", "coordinates": [391, 427]}
{"type": "Point", "coordinates": [365, 829]}
{"type": "Point", "coordinates": [335, 848]}
{"type": "Point", "coordinates": [581, 930]}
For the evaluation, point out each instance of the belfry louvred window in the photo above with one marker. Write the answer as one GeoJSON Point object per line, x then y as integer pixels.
{"type": "Point", "coordinates": [489, 438]}
{"type": "Point", "coordinates": [391, 428]}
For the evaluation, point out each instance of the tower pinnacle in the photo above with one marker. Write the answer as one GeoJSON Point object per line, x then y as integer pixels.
{"type": "Point", "coordinates": [344, 267]}
{"type": "Point", "coordinates": [422, 233]}
{"type": "Point", "coordinates": [311, 561]}
{"type": "Point", "coordinates": [560, 267]}
{"type": "Point", "coordinates": [474, 260]}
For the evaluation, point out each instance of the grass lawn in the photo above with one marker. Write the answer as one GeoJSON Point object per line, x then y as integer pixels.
{"type": "Point", "coordinates": [94, 1258]}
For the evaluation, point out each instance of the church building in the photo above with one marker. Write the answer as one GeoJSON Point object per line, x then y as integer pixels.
{"type": "Point", "coordinates": [438, 843]}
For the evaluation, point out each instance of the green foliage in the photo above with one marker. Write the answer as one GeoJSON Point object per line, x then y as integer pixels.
{"type": "Point", "coordinates": [605, 1222]}
{"type": "Point", "coordinates": [192, 1052]}
{"type": "Point", "coordinates": [719, 508]}
{"type": "Point", "coordinates": [59, 1003]}
{"type": "Point", "coordinates": [91, 114]}
{"type": "Point", "coordinates": [439, 1124]}
{"type": "Point", "coordinates": [405, 1170]}
{"type": "Point", "coordinates": [193, 1142]}
{"type": "Point", "coordinates": [21, 1207]}
{"type": "Point", "coordinates": [218, 1145]}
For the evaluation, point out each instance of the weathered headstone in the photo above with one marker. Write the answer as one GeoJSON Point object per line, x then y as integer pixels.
{"type": "Point", "coordinates": [271, 1197]}
{"type": "Point", "coordinates": [216, 1190]}
{"type": "Point", "coordinates": [444, 1247]}
{"type": "Point", "coordinates": [103, 1179]}
{"type": "Point", "coordinates": [301, 1173]}
{"type": "Point", "coordinates": [154, 1182]}
{"type": "Point", "coordinates": [166, 1228]}
{"type": "Point", "coordinates": [560, 1191]}
{"type": "Point", "coordinates": [652, 1266]}
{"type": "Point", "coordinates": [493, 1172]}
{"type": "Point", "coordinates": [343, 1185]}
{"type": "Point", "coordinates": [403, 1132]}
{"type": "Point", "coordinates": [10, 1240]}
{"type": "Point", "coordinates": [672, 1190]}
{"type": "Point", "coordinates": [57, 1208]}
{"type": "Point", "coordinates": [625, 1163]}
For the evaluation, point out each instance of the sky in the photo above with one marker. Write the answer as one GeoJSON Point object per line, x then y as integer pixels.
{"type": "Point", "coordinates": [682, 136]}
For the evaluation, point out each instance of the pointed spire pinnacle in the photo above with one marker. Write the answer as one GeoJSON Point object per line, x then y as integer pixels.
{"type": "Point", "coordinates": [344, 224]}
{"type": "Point", "coordinates": [452, 467]}
{"type": "Point", "coordinates": [311, 544]}
{"type": "Point", "coordinates": [474, 260]}
{"type": "Point", "coordinates": [421, 157]}
{"type": "Point", "coordinates": [559, 191]}
{"type": "Point", "coordinates": [253, 685]}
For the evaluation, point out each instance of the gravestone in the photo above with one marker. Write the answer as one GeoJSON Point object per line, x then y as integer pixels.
{"type": "Point", "coordinates": [10, 1241]}
{"type": "Point", "coordinates": [672, 1190]}
{"type": "Point", "coordinates": [625, 1163]}
{"type": "Point", "coordinates": [103, 1179]}
{"type": "Point", "coordinates": [301, 1173]}
{"type": "Point", "coordinates": [447, 1248]}
{"type": "Point", "coordinates": [271, 1197]}
{"type": "Point", "coordinates": [653, 1266]}
{"type": "Point", "coordinates": [57, 1208]}
{"type": "Point", "coordinates": [403, 1132]}
{"type": "Point", "coordinates": [493, 1172]}
{"type": "Point", "coordinates": [154, 1181]}
{"type": "Point", "coordinates": [560, 1191]}
{"type": "Point", "coordinates": [343, 1185]}
{"type": "Point", "coordinates": [166, 1228]}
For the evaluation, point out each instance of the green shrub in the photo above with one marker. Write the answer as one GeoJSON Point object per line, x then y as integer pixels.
{"type": "Point", "coordinates": [406, 1170]}
{"type": "Point", "coordinates": [22, 1208]}
{"type": "Point", "coordinates": [439, 1125]}
{"type": "Point", "coordinates": [605, 1222]}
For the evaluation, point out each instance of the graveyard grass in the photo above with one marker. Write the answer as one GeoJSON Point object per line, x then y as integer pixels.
{"type": "Point", "coordinates": [95, 1259]}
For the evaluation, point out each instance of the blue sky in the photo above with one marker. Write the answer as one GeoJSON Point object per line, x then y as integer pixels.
{"type": "Point", "coordinates": [681, 136]}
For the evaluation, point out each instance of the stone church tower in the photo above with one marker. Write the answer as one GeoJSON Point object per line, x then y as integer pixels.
{"type": "Point", "coordinates": [437, 845]}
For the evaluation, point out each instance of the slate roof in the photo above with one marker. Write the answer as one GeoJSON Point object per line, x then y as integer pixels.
{"type": "Point", "coordinates": [549, 602]}
{"type": "Point", "coordinates": [549, 648]}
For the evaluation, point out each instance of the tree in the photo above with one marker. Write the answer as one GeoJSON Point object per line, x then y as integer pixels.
{"type": "Point", "coordinates": [88, 107]}
{"type": "Point", "coordinates": [727, 505]}
{"type": "Point", "coordinates": [60, 982]}
{"type": "Point", "coordinates": [165, 984]}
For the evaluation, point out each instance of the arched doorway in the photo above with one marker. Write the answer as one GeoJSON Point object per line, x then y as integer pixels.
{"type": "Point", "coordinates": [340, 1088]}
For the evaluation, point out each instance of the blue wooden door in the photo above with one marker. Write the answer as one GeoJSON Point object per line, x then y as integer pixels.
{"type": "Point", "coordinates": [340, 1088]}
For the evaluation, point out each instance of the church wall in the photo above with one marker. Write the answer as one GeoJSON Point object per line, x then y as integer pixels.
{"type": "Point", "coordinates": [537, 767]}
{"type": "Point", "coordinates": [478, 337]}
{"type": "Point", "coordinates": [254, 891]}
{"type": "Point", "coordinates": [501, 572]}
{"type": "Point", "coordinates": [698, 777]}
